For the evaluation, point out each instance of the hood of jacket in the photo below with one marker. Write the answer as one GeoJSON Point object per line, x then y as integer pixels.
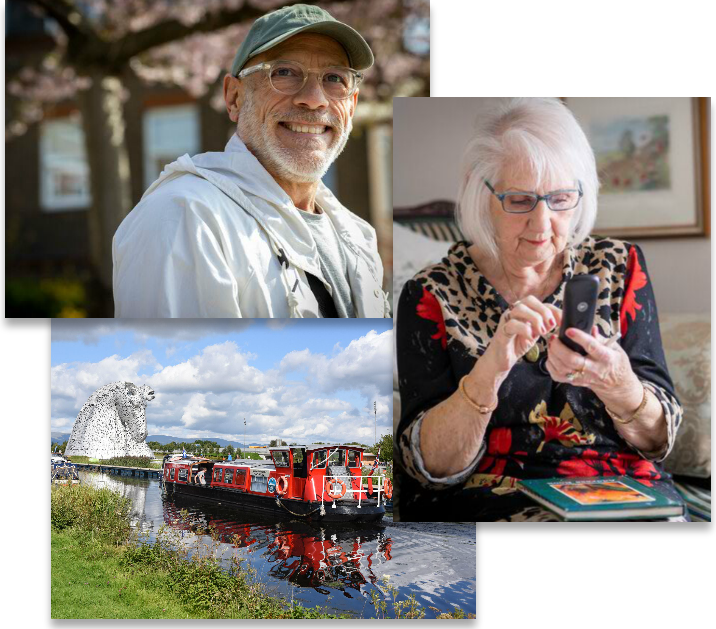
{"type": "Point", "coordinates": [238, 174]}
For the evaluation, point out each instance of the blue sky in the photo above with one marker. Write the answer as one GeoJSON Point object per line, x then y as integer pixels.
{"type": "Point", "coordinates": [302, 379]}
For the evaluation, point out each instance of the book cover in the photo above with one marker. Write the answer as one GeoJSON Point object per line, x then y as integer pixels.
{"type": "Point", "coordinates": [613, 497]}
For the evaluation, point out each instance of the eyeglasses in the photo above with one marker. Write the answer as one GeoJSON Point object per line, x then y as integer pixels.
{"type": "Point", "coordinates": [289, 77]}
{"type": "Point", "coordinates": [523, 202]}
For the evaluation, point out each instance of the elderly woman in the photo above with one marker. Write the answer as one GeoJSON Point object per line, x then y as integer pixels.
{"type": "Point", "coordinates": [489, 394]}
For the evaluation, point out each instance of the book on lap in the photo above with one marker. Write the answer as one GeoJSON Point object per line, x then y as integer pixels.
{"type": "Point", "coordinates": [607, 498]}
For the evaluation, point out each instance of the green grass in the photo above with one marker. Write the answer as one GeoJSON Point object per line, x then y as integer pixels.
{"type": "Point", "coordinates": [90, 581]}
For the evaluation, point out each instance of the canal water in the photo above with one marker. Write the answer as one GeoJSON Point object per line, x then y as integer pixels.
{"type": "Point", "coordinates": [334, 566]}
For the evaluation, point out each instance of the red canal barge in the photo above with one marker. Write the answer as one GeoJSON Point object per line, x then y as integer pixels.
{"type": "Point", "coordinates": [315, 482]}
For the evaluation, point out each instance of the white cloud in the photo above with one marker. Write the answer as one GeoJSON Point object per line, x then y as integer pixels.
{"type": "Point", "coordinates": [218, 368]}
{"type": "Point", "coordinates": [77, 381]}
{"type": "Point", "coordinates": [308, 397]}
{"type": "Point", "coordinates": [196, 411]}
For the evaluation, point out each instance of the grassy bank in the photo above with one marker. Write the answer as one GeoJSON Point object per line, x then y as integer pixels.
{"type": "Point", "coordinates": [100, 571]}
{"type": "Point", "coordinates": [100, 568]}
{"type": "Point", "coordinates": [90, 581]}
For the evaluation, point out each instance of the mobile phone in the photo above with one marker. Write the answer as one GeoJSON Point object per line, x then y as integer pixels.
{"type": "Point", "coordinates": [580, 304]}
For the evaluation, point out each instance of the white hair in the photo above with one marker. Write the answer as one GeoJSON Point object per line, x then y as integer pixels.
{"type": "Point", "coordinates": [541, 134]}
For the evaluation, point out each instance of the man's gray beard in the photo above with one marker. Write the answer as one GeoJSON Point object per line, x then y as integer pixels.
{"type": "Point", "coordinates": [276, 158]}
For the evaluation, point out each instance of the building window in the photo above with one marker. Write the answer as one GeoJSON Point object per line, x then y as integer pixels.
{"type": "Point", "coordinates": [64, 170]}
{"type": "Point", "coordinates": [169, 132]}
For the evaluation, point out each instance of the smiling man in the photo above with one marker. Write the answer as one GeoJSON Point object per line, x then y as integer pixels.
{"type": "Point", "coordinates": [252, 231]}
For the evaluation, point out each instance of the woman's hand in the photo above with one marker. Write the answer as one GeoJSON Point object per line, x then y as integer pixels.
{"type": "Point", "coordinates": [518, 330]}
{"type": "Point", "coordinates": [605, 369]}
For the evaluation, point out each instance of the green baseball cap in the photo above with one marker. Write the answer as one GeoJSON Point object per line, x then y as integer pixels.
{"type": "Point", "coordinates": [277, 26]}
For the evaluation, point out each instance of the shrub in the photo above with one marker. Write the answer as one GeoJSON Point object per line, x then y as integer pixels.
{"type": "Point", "coordinates": [128, 461]}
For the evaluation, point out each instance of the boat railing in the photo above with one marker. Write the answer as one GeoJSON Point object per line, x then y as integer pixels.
{"type": "Point", "coordinates": [64, 472]}
{"type": "Point", "coordinates": [348, 480]}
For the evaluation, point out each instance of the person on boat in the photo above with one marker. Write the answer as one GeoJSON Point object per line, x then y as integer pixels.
{"type": "Point", "coordinates": [201, 477]}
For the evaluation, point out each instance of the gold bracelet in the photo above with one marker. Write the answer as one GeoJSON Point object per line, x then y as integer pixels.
{"type": "Point", "coordinates": [620, 420]}
{"type": "Point", "coordinates": [483, 410]}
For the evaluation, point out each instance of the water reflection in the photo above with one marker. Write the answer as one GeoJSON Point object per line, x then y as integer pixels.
{"type": "Point", "coordinates": [306, 555]}
{"type": "Point", "coordinates": [133, 488]}
{"type": "Point", "coordinates": [327, 565]}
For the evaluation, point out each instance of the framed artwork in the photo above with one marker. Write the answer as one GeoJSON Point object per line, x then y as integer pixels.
{"type": "Point", "coordinates": [653, 162]}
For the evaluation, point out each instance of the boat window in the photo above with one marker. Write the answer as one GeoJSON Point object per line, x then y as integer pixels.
{"type": "Point", "coordinates": [229, 476]}
{"type": "Point", "coordinates": [280, 458]}
{"type": "Point", "coordinates": [217, 474]}
{"type": "Point", "coordinates": [182, 474]}
{"type": "Point", "coordinates": [240, 477]}
{"type": "Point", "coordinates": [338, 458]}
{"type": "Point", "coordinates": [299, 463]}
{"type": "Point", "coordinates": [353, 458]}
{"type": "Point", "coordinates": [259, 484]}
{"type": "Point", "coordinates": [319, 459]}
{"type": "Point", "coordinates": [171, 474]}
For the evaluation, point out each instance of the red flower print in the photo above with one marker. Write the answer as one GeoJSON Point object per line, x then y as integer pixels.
{"type": "Point", "coordinates": [498, 447]}
{"type": "Point", "coordinates": [636, 280]}
{"type": "Point", "coordinates": [429, 308]}
{"type": "Point", "coordinates": [566, 428]}
{"type": "Point", "coordinates": [500, 441]}
{"type": "Point", "coordinates": [581, 466]}
{"type": "Point", "coordinates": [561, 430]}
{"type": "Point", "coordinates": [591, 463]}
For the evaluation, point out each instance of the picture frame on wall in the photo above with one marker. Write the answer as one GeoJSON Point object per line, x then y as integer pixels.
{"type": "Point", "coordinates": [652, 157]}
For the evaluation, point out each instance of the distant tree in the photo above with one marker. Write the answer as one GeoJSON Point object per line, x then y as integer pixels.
{"type": "Point", "coordinates": [386, 448]}
{"type": "Point", "coordinates": [277, 442]}
{"type": "Point", "coordinates": [154, 445]}
{"type": "Point", "coordinates": [230, 450]}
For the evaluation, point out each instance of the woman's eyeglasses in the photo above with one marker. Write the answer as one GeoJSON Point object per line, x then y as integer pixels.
{"type": "Point", "coordinates": [523, 202]}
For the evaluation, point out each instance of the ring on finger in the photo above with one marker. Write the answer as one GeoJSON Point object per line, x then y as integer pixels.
{"type": "Point", "coordinates": [573, 375]}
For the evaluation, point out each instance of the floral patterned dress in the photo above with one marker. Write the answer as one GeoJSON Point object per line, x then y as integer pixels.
{"type": "Point", "coordinates": [446, 318]}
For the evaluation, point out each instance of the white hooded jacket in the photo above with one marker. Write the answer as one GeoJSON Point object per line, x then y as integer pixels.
{"type": "Point", "coordinates": [216, 236]}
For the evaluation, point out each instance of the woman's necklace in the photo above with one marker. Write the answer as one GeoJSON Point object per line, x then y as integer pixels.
{"type": "Point", "coordinates": [532, 354]}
